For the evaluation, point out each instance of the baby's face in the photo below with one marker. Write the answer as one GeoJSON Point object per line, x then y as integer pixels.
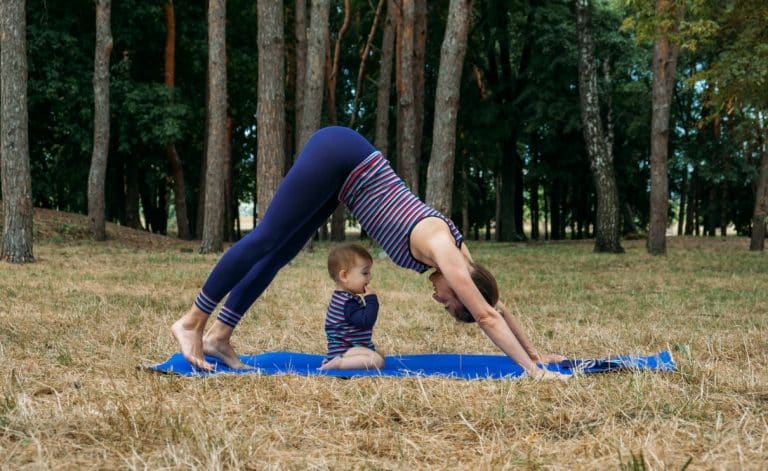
{"type": "Point", "coordinates": [358, 277]}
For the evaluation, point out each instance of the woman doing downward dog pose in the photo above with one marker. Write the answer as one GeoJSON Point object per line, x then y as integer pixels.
{"type": "Point", "coordinates": [339, 165]}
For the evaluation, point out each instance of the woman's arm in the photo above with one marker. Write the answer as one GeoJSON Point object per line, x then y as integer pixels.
{"type": "Point", "coordinates": [517, 330]}
{"type": "Point", "coordinates": [432, 243]}
{"type": "Point", "coordinates": [453, 266]}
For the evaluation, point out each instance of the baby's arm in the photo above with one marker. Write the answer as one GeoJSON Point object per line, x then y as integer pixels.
{"type": "Point", "coordinates": [362, 316]}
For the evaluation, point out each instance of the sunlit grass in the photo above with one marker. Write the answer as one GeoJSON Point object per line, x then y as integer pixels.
{"type": "Point", "coordinates": [77, 323]}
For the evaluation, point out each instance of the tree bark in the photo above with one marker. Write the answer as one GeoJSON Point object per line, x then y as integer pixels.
{"type": "Point", "coordinates": [664, 64]}
{"type": "Point", "coordinates": [213, 225]}
{"type": "Point", "coordinates": [230, 206]}
{"type": "Point", "coordinates": [534, 209]}
{"type": "Point", "coordinates": [419, 78]}
{"type": "Point", "coordinates": [608, 224]}
{"type": "Point", "coordinates": [132, 218]}
{"type": "Point", "coordinates": [690, 219]}
{"type": "Point", "coordinates": [270, 108]}
{"type": "Point", "coordinates": [385, 81]}
{"type": "Point", "coordinates": [97, 174]}
{"type": "Point", "coordinates": [338, 218]}
{"type": "Point", "coordinates": [440, 169]}
{"type": "Point", "coordinates": [300, 32]}
{"type": "Point", "coordinates": [683, 201]}
{"type": "Point", "coordinates": [757, 240]}
{"type": "Point", "coordinates": [332, 67]}
{"type": "Point", "coordinates": [174, 162]}
{"type": "Point", "coordinates": [363, 61]}
{"type": "Point", "coordinates": [313, 87]}
{"type": "Point", "coordinates": [406, 115]}
{"type": "Point", "coordinates": [14, 141]}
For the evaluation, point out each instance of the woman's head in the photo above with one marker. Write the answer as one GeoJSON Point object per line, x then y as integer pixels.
{"type": "Point", "coordinates": [484, 281]}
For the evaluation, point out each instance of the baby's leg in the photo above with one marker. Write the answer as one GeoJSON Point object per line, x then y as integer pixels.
{"type": "Point", "coordinates": [356, 358]}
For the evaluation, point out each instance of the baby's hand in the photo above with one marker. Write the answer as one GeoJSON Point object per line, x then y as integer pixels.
{"type": "Point", "coordinates": [368, 291]}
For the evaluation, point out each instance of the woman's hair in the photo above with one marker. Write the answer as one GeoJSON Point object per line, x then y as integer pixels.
{"type": "Point", "coordinates": [486, 284]}
{"type": "Point", "coordinates": [344, 256]}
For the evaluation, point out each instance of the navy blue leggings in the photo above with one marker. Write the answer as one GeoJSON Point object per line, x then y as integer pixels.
{"type": "Point", "coordinates": [304, 200]}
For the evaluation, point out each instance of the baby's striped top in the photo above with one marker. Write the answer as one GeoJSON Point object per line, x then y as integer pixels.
{"type": "Point", "coordinates": [341, 335]}
{"type": "Point", "coordinates": [387, 209]}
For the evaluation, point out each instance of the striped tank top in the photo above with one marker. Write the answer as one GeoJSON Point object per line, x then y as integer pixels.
{"type": "Point", "coordinates": [387, 209]}
{"type": "Point", "coordinates": [341, 335]}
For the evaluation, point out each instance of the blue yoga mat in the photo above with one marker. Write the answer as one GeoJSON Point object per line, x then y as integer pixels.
{"type": "Point", "coordinates": [451, 365]}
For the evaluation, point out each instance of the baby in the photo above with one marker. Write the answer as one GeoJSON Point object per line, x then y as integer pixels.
{"type": "Point", "coordinates": [352, 311]}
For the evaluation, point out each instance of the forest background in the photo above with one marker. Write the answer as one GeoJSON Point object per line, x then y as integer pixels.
{"type": "Point", "coordinates": [513, 164]}
{"type": "Point", "coordinates": [531, 119]}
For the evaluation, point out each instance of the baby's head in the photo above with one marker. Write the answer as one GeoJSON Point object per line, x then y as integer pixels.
{"type": "Point", "coordinates": [350, 267]}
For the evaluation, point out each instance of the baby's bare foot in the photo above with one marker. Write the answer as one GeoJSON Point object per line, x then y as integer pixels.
{"type": "Point", "coordinates": [222, 350]}
{"type": "Point", "coordinates": [190, 340]}
{"type": "Point", "coordinates": [332, 364]}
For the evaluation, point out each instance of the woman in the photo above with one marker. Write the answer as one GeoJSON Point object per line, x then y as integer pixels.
{"type": "Point", "coordinates": [339, 165]}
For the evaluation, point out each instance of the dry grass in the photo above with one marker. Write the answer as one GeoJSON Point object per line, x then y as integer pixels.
{"type": "Point", "coordinates": [76, 323]}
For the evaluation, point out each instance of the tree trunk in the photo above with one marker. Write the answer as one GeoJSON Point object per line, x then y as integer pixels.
{"type": "Point", "coordinates": [506, 223]}
{"type": "Point", "coordinates": [363, 61]}
{"type": "Point", "coordinates": [607, 226]}
{"type": "Point", "coordinates": [339, 215]}
{"type": "Point", "coordinates": [213, 224]}
{"type": "Point", "coordinates": [385, 81]}
{"type": "Point", "coordinates": [757, 241]}
{"type": "Point", "coordinates": [332, 67]}
{"type": "Point", "coordinates": [440, 170]}
{"type": "Point", "coordinates": [174, 162]}
{"type": "Point", "coordinates": [664, 64]}
{"type": "Point", "coordinates": [230, 208]}
{"type": "Point", "coordinates": [200, 222]}
{"type": "Point", "coordinates": [14, 142]}
{"type": "Point", "coordinates": [270, 108]}
{"type": "Point", "coordinates": [683, 200]}
{"type": "Point", "coordinates": [535, 210]}
{"type": "Point", "coordinates": [406, 113]}
{"type": "Point", "coordinates": [691, 204]}
{"type": "Point", "coordinates": [464, 199]}
{"type": "Point", "coordinates": [313, 87]}
{"type": "Point", "coordinates": [132, 218]}
{"type": "Point", "coordinates": [727, 164]}
{"type": "Point", "coordinates": [97, 174]}
{"type": "Point", "coordinates": [419, 79]}
{"type": "Point", "coordinates": [300, 32]}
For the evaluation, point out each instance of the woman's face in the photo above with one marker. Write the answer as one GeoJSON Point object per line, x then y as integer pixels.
{"type": "Point", "coordinates": [444, 295]}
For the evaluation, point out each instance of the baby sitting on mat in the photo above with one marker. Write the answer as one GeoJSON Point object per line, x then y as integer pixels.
{"type": "Point", "coordinates": [352, 311]}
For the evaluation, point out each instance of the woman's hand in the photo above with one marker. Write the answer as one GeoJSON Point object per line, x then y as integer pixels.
{"type": "Point", "coordinates": [541, 374]}
{"type": "Point", "coordinates": [548, 358]}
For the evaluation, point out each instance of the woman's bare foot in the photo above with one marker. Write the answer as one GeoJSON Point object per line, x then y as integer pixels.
{"type": "Point", "coordinates": [188, 332]}
{"type": "Point", "coordinates": [219, 347]}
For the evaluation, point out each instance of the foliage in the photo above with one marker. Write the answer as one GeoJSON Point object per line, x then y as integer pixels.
{"type": "Point", "coordinates": [519, 93]}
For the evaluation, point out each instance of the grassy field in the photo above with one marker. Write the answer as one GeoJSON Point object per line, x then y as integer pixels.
{"type": "Point", "coordinates": [75, 325]}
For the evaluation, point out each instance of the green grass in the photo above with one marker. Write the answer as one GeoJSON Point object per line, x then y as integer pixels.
{"type": "Point", "coordinates": [77, 323]}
